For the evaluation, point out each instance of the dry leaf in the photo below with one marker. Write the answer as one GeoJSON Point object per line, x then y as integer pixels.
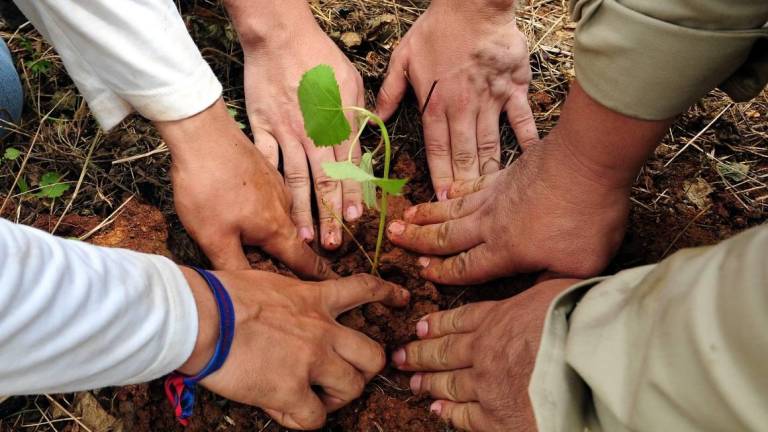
{"type": "Point", "coordinates": [697, 191]}
{"type": "Point", "coordinates": [91, 414]}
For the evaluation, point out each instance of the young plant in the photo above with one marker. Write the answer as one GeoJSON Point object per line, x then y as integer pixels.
{"type": "Point", "coordinates": [325, 122]}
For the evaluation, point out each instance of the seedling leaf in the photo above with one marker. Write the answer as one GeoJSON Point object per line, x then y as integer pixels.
{"type": "Point", "coordinates": [51, 186]}
{"type": "Point", "coordinates": [346, 171]}
{"type": "Point", "coordinates": [391, 186]}
{"type": "Point", "coordinates": [369, 189]}
{"type": "Point", "coordinates": [11, 153]}
{"type": "Point", "coordinates": [23, 186]}
{"type": "Point", "coordinates": [320, 101]}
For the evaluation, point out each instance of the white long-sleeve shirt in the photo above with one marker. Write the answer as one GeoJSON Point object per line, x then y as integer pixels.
{"type": "Point", "coordinates": [127, 56]}
{"type": "Point", "coordinates": [75, 316]}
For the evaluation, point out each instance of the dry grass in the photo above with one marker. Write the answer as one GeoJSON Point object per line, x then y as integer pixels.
{"type": "Point", "coordinates": [712, 141]}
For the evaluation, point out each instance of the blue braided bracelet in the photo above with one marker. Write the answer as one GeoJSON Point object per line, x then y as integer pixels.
{"type": "Point", "coordinates": [180, 388]}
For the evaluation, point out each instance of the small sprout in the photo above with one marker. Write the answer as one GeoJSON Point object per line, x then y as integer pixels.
{"type": "Point", "coordinates": [326, 123]}
{"type": "Point", "coordinates": [11, 154]}
{"type": "Point", "coordinates": [51, 185]}
{"type": "Point", "coordinates": [233, 113]}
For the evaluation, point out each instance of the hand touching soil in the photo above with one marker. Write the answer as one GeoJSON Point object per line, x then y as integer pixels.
{"type": "Point", "coordinates": [293, 44]}
{"type": "Point", "coordinates": [227, 194]}
{"type": "Point", "coordinates": [477, 360]}
{"type": "Point", "coordinates": [287, 340]}
{"type": "Point", "coordinates": [479, 59]}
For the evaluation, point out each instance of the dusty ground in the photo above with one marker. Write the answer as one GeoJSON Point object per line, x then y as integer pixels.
{"type": "Point", "coordinates": [704, 183]}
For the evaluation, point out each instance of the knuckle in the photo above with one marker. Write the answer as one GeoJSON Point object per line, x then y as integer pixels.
{"type": "Point", "coordinates": [452, 387]}
{"type": "Point", "coordinates": [325, 184]}
{"type": "Point", "coordinates": [464, 159]}
{"type": "Point", "coordinates": [460, 265]}
{"type": "Point", "coordinates": [487, 146]}
{"type": "Point", "coordinates": [437, 147]}
{"type": "Point", "coordinates": [456, 208]}
{"type": "Point", "coordinates": [443, 231]}
{"type": "Point", "coordinates": [295, 180]}
{"type": "Point", "coordinates": [380, 361]}
{"type": "Point", "coordinates": [443, 352]}
{"type": "Point", "coordinates": [454, 321]}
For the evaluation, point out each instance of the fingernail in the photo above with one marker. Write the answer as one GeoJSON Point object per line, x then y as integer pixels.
{"type": "Point", "coordinates": [442, 195]}
{"type": "Point", "coordinates": [306, 234]}
{"type": "Point", "coordinates": [353, 212]}
{"type": "Point", "coordinates": [410, 213]}
{"type": "Point", "coordinates": [424, 262]}
{"type": "Point", "coordinates": [398, 358]}
{"type": "Point", "coordinates": [405, 294]}
{"type": "Point", "coordinates": [422, 328]}
{"type": "Point", "coordinates": [396, 228]}
{"type": "Point", "coordinates": [436, 407]}
{"type": "Point", "coordinates": [416, 383]}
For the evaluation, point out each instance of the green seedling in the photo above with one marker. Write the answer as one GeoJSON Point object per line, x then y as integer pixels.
{"type": "Point", "coordinates": [51, 185]}
{"type": "Point", "coordinates": [325, 122]}
{"type": "Point", "coordinates": [11, 154]}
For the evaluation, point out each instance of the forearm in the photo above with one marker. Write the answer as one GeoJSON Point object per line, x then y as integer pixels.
{"type": "Point", "coordinates": [75, 316]}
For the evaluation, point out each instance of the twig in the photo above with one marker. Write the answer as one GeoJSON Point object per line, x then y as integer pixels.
{"type": "Point", "coordinates": [79, 181]}
{"type": "Point", "coordinates": [685, 147]}
{"type": "Point", "coordinates": [66, 411]}
{"type": "Point", "coordinates": [688, 225]}
{"type": "Point", "coordinates": [111, 218]}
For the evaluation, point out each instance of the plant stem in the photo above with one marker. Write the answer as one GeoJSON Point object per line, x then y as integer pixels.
{"type": "Point", "coordinates": [384, 194]}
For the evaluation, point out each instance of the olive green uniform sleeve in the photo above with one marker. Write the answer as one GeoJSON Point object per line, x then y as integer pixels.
{"type": "Point", "coordinates": [680, 346]}
{"type": "Point", "coordinates": [652, 59]}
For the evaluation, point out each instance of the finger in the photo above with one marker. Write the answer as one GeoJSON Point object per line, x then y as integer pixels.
{"type": "Point", "coordinates": [352, 192]}
{"type": "Point", "coordinates": [438, 145]}
{"type": "Point", "coordinates": [328, 195]}
{"type": "Point", "coordinates": [488, 140]}
{"type": "Point", "coordinates": [296, 173]}
{"type": "Point", "coordinates": [475, 266]}
{"type": "Point", "coordinates": [464, 319]}
{"type": "Point", "coordinates": [462, 124]}
{"type": "Point", "coordinates": [360, 351]}
{"type": "Point", "coordinates": [465, 416]}
{"type": "Point", "coordinates": [226, 253]}
{"type": "Point", "coordinates": [348, 293]}
{"type": "Point", "coordinates": [521, 119]}
{"type": "Point", "coordinates": [446, 353]}
{"type": "Point", "coordinates": [466, 187]}
{"type": "Point", "coordinates": [438, 212]}
{"type": "Point", "coordinates": [339, 380]}
{"type": "Point", "coordinates": [267, 145]}
{"type": "Point", "coordinates": [447, 238]}
{"type": "Point", "coordinates": [294, 252]}
{"type": "Point", "coordinates": [456, 386]}
{"type": "Point", "coordinates": [307, 412]}
{"type": "Point", "coordinates": [394, 86]}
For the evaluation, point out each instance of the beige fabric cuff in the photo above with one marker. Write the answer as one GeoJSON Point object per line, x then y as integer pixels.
{"type": "Point", "coordinates": [648, 68]}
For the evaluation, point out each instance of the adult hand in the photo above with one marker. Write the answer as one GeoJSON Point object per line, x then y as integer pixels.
{"type": "Point", "coordinates": [560, 209]}
{"type": "Point", "coordinates": [281, 41]}
{"type": "Point", "coordinates": [227, 194]}
{"type": "Point", "coordinates": [479, 59]}
{"type": "Point", "coordinates": [287, 340]}
{"type": "Point", "coordinates": [477, 360]}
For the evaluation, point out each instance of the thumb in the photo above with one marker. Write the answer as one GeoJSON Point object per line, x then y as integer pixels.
{"type": "Point", "coordinates": [393, 88]}
{"type": "Point", "coordinates": [226, 254]}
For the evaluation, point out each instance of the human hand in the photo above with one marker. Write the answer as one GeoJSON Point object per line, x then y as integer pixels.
{"type": "Point", "coordinates": [479, 59]}
{"type": "Point", "coordinates": [560, 209]}
{"type": "Point", "coordinates": [292, 43]}
{"type": "Point", "coordinates": [477, 360]}
{"type": "Point", "coordinates": [227, 194]}
{"type": "Point", "coordinates": [287, 340]}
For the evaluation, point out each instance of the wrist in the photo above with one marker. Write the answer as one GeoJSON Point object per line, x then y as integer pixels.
{"type": "Point", "coordinates": [601, 146]}
{"type": "Point", "coordinates": [259, 22]}
{"type": "Point", "coordinates": [207, 323]}
{"type": "Point", "coordinates": [490, 11]}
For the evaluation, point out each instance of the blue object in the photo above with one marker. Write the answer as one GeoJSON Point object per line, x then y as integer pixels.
{"type": "Point", "coordinates": [11, 95]}
{"type": "Point", "coordinates": [180, 388]}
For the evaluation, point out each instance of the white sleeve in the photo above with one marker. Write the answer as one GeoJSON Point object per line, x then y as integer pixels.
{"type": "Point", "coordinates": [127, 55]}
{"type": "Point", "coordinates": [75, 316]}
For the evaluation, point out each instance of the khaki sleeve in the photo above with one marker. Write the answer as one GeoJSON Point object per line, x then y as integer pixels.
{"type": "Point", "coordinates": [652, 59]}
{"type": "Point", "coordinates": [681, 346]}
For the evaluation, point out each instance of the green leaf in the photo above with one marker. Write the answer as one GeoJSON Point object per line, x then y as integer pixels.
{"type": "Point", "coordinates": [391, 186]}
{"type": "Point", "coordinates": [320, 101]}
{"type": "Point", "coordinates": [346, 171]}
{"type": "Point", "coordinates": [51, 186]}
{"type": "Point", "coordinates": [11, 153]}
{"type": "Point", "coordinates": [369, 189]}
{"type": "Point", "coordinates": [23, 186]}
{"type": "Point", "coordinates": [233, 113]}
